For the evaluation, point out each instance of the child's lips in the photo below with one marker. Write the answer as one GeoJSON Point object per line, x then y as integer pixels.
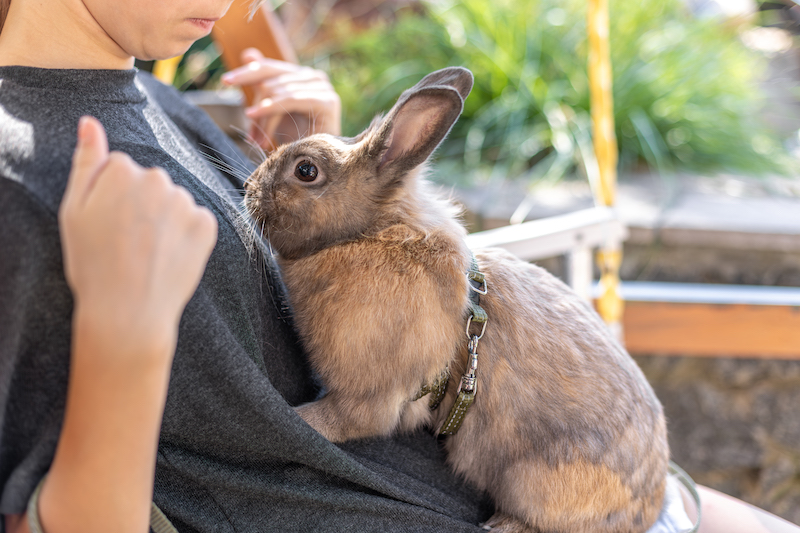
{"type": "Point", "coordinates": [204, 24]}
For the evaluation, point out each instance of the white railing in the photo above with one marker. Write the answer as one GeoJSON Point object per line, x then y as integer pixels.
{"type": "Point", "coordinates": [574, 235]}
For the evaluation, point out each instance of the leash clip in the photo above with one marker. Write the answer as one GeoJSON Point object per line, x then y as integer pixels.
{"type": "Point", "coordinates": [468, 381]}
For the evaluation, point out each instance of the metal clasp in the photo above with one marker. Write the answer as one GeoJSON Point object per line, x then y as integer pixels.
{"type": "Point", "coordinates": [483, 330]}
{"type": "Point", "coordinates": [468, 381]}
{"type": "Point", "coordinates": [480, 279]}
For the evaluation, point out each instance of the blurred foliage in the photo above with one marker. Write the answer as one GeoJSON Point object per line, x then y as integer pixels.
{"type": "Point", "coordinates": [201, 67]}
{"type": "Point", "coordinates": [685, 90]}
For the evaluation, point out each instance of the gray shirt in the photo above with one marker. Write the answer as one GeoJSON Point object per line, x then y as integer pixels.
{"type": "Point", "coordinates": [232, 455]}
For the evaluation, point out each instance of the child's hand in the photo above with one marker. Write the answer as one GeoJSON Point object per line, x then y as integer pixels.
{"type": "Point", "coordinates": [135, 244]}
{"type": "Point", "coordinates": [282, 88]}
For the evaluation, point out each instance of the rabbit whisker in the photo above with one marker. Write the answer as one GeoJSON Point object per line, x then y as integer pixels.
{"type": "Point", "coordinates": [248, 139]}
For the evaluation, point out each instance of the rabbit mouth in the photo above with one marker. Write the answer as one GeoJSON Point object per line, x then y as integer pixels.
{"type": "Point", "coordinates": [252, 206]}
{"type": "Point", "coordinates": [270, 220]}
{"type": "Point", "coordinates": [249, 206]}
{"type": "Point", "coordinates": [258, 201]}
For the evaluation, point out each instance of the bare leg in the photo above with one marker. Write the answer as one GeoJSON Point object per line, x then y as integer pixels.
{"type": "Point", "coordinates": [726, 514]}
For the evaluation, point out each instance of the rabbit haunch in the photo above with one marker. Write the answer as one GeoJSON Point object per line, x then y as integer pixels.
{"type": "Point", "coordinates": [565, 433]}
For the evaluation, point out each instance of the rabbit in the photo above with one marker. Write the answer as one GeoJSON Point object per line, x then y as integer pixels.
{"type": "Point", "coordinates": [565, 434]}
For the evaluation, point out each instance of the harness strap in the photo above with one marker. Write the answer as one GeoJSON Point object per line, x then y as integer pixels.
{"type": "Point", "coordinates": [453, 422]}
{"type": "Point", "coordinates": [468, 384]}
{"type": "Point", "coordinates": [478, 314]}
{"type": "Point", "coordinates": [465, 393]}
{"type": "Point", "coordinates": [436, 389]}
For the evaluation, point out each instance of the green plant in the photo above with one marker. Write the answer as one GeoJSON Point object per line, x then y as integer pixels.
{"type": "Point", "coordinates": [200, 67]}
{"type": "Point", "coordinates": [685, 90]}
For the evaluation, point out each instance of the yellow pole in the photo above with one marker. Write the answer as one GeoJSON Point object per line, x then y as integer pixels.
{"type": "Point", "coordinates": [165, 69]}
{"type": "Point", "coordinates": [610, 304]}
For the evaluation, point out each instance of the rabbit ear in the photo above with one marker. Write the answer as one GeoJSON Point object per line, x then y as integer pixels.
{"type": "Point", "coordinates": [421, 119]}
{"type": "Point", "coordinates": [458, 78]}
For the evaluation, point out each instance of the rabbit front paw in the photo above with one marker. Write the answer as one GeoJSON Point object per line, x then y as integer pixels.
{"type": "Point", "coordinates": [503, 523]}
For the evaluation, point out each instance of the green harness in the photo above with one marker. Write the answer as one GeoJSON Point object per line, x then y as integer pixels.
{"type": "Point", "coordinates": [467, 386]}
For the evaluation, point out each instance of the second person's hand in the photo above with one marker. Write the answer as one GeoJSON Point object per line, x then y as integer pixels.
{"type": "Point", "coordinates": [285, 89]}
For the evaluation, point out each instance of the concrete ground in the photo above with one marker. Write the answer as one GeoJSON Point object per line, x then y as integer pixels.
{"type": "Point", "coordinates": [681, 227]}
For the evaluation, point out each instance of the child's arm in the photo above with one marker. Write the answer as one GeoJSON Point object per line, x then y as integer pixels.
{"type": "Point", "coordinates": [135, 246]}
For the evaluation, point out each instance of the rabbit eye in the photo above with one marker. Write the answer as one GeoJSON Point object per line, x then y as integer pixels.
{"type": "Point", "coordinates": [306, 171]}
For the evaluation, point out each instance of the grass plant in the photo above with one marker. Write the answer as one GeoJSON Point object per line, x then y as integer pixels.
{"type": "Point", "coordinates": [686, 90]}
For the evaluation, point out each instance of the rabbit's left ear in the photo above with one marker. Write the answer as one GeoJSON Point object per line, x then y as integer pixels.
{"type": "Point", "coordinates": [421, 119]}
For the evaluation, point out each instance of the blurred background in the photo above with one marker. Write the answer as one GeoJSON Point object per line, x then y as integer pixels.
{"type": "Point", "coordinates": [699, 85]}
{"type": "Point", "coordinates": [707, 110]}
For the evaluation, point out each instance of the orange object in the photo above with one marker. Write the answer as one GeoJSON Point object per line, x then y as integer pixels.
{"type": "Point", "coordinates": [708, 330]}
{"type": "Point", "coordinates": [236, 31]}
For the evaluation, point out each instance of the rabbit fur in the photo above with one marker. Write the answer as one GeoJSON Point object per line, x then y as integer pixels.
{"type": "Point", "coordinates": [565, 434]}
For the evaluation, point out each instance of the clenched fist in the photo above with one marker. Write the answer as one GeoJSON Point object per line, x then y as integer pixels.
{"type": "Point", "coordinates": [135, 244]}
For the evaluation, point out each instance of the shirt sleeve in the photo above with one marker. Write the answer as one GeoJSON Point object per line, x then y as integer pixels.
{"type": "Point", "coordinates": [35, 326]}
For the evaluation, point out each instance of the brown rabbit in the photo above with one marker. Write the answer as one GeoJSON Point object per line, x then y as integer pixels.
{"type": "Point", "coordinates": [565, 433]}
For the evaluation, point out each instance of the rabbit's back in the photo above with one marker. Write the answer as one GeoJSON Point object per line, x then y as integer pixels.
{"type": "Point", "coordinates": [565, 427]}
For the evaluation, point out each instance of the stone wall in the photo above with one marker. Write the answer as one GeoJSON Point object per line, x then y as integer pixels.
{"type": "Point", "coordinates": [710, 264]}
{"type": "Point", "coordinates": [734, 425]}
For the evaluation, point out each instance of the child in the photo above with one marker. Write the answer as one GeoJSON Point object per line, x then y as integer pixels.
{"type": "Point", "coordinates": [145, 349]}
